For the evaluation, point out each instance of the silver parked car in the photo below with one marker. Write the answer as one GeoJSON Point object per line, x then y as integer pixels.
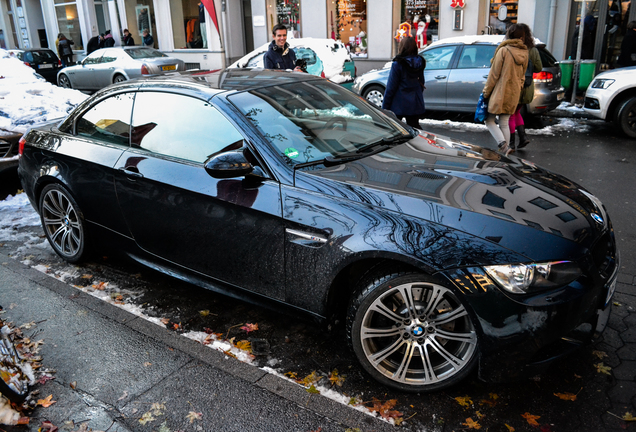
{"type": "Point", "coordinates": [111, 65]}
{"type": "Point", "coordinates": [456, 72]}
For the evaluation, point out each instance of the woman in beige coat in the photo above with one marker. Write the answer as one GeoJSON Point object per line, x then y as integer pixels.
{"type": "Point", "coordinates": [504, 84]}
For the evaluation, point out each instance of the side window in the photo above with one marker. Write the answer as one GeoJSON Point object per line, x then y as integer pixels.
{"type": "Point", "coordinates": [180, 126]}
{"type": "Point", "coordinates": [439, 58]}
{"type": "Point", "coordinates": [91, 60]}
{"type": "Point", "coordinates": [108, 120]}
{"type": "Point", "coordinates": [476, 56]}
{"type": "Point", "coordinates": [109, 56]}
{"type": "Point", "coordinates": [256, 61]}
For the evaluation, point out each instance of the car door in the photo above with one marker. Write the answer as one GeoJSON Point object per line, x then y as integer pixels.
{"type": "Point", "coordinates": [438, 67]}
{"type": "Point", "coordinates": [90, 149]}
{"type": "Point", "coordinates": [227, 229]}
{"type": "Point", "coordinates": [81, 76]}
{"type": "Point", "coordinates": [102, 72]}
{"type": "Point", "coordinates": [466, 80]}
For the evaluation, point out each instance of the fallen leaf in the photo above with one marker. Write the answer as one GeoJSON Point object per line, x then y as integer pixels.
{"type": "Point", "coordinates": [510, 428]}
{"type": "Point", "coordinates": [100, 286]}
{"type": "Point", "coordinates": [73, 384]}
{"type": "Point", "coordinates": [47, 402]}
{"type": "Point", "coordinates": [47, 426]}
{"type": "Point", "coordinates": [146, 418]}
{"type": "Point", "coordinates": [471, 424]}
{"type": "Point", "coordinates": [44, 378]}
{"type": "Point", "coordinates": [601, 368]}
{"type": "Point", "coordinates": [124, 396]}
{"type": "Point", "coordinates": [292, 375]}
{"type": "Point", "coordinates": [566, 396]}
{"type": "Point", "coordinates": [244, 345]}
{"type": "Point", "coordinates": [87, 276]}
{"type": "Point", "coordinates": [336, 379]}
{"type": "Point", "coordinates": [29, 325]}
{"type": "Point", "coordinates": [629, 417]}
{"type": "Point", "coordinates": [165, 321]}
{"type": "Point", "coordinates": [617, 304]}
{"type": "Point", "coordinates": [157, 408]}
{"type": "Point", "coordinates": [600, 354]}
{"type": "Point", "coordinates": [312, 378]}
{"type": "Point", "coordinates": [386, 409]}
{"type": "Point", "coordinates": [249, 327]}
{"type": "Point", "coordinates": [164, 427]}
{"type": "Point", "coordinates": [531, 419]}
{"type": "Point", "coordinates": [479, 415]}
{"type": "Point", "coordinates": [464, 401]}
{"type": "Point", "coordinates": [146, 364]}
{"type": "Point", "coordinates": [204, 313]}
{"type": "Point", "coordinates": [192, 416]}
{"type": "Point", "coordinates": [312, 389]}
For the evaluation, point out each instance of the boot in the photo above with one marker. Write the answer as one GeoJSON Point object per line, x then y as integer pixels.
{"type": "Point", "coordinates": [512, 141]}
{"type": "Point", "coordinates": [523, 138]}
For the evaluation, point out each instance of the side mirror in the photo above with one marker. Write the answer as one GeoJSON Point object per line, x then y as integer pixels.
{"type": "Point", "coordinates": [230, 164]}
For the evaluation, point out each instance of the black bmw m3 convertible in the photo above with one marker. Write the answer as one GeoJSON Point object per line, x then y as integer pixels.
{"type": "Point", "coordinates": [441, 257]}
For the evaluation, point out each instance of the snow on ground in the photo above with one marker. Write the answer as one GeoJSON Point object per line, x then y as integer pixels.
{"type": "Point", "coordinates": [16, 213]}
{"type": "Point", "coordinates": [26, 99]}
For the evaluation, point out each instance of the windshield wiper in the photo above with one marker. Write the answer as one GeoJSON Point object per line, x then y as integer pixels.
{"type": "Point", "coordinates": [385, 142]}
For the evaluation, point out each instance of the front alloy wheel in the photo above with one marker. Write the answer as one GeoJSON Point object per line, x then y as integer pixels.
{"type": "Point", "coordinates": [64, 82]}
{"type": "Point", "coordinates": [411, 333]}
{"type": "Point", "coordinates": [63, 223]}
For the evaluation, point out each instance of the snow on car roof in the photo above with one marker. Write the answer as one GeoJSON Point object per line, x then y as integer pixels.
{"type": "Point", "coordinates": [332, 60]}
{"type": "Point", "coordinates": [472, 39]}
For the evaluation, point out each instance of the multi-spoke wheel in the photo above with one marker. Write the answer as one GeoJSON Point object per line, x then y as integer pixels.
{"type": "Point", "coordinates": [411, 333]}
{"type": "Point", "coordinates": [375, 95]}
{"type": "Point", "coordinates": [63, 223]}
{"type": "Point", "coordinates": [626, 117]}
{"type": "Point", "coordinates": [64, 81]}
{"type": "Point", "coordinates": [119, 78]}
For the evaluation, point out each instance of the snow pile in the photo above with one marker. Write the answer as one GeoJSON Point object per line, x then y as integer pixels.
{"type": "Point", "coordinates": [16, 213]}
{"type": "Point", "coordinates": [26, 99]}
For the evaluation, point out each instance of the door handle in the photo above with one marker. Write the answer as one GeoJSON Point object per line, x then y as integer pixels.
{"type": "Point", "coordinates": [131, 171]}
{"type": "Point", "coordinates": [440, 77]}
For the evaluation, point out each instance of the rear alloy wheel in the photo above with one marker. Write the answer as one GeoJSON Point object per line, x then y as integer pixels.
{"type": "Point", "coordinates": [626, 117]}
{"type": "Point", "coordinates": [411, 333]}
{"type": "Point", "coordinates": [119, 78]}
{"type": "Point", "coordinates": [64, 82]}
{"type": "Point", "coordinates": [63, 223]}
{"type": "Point", "coordinates": [374, 94]}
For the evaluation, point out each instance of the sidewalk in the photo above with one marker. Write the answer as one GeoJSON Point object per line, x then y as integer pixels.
{"type": "Point", "coordinates": [120, 365]}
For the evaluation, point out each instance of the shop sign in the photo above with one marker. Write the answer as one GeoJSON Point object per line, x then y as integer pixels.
{"type": "Point", "coordinates": [458, 4]}
{"type": "Point", "coordinates": [403, 30]}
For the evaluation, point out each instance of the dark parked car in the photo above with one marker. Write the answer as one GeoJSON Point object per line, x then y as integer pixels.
{"type": "Point", "coordinates": [8, 150]}
{"type": "Point", "coordinates": [43, 61]}
{"type": "Point", "coordinates": [456, 72]}
{"type": "Point", "coordinates": [440, 256]}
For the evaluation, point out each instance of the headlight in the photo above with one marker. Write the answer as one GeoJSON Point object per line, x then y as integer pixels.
{"type": "Point", "coordinates": [526, 278]}
{"type": "Point", "coordinates": [602, 83]}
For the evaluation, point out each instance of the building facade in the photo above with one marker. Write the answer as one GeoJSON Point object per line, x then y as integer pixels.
{"type": "Point", "coordinates": [213, 33]}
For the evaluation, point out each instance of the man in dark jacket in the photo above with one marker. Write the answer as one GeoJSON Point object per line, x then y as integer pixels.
{"type": "Point", "coordinates": [109, 41]}
{"type": "Point", "coordinates": [279, 55]}
{"type": "Point", "coordinates": [127, 40]}
{"type": "Point", "coordinates": [93, 44]}
{"type": "Point", "coordinates": [628, 47]}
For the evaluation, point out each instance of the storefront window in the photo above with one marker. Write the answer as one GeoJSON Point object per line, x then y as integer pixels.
{"type": "Point", "coordinates": [285, 12]}
{"type": "Point", "coordinates": [140, 15]}
{"type": "Point", "coordinates": [188, 24]}
{"type": "Point", "coordinates": [503, 14]}
{"type": "Point", "coordinates": [422, 17]}
{"type": "Point", "coordinates": [347, 21]}
{"type": "Point", "coordinates": [68, 23]}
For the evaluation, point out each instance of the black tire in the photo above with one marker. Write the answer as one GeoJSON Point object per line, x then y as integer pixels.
{"type": "Point", "coordinates": [16, 388]}
{"type": "Point", "coordinates": [119, 78]}
{"type": "Point", "coordinates": [625, 117]}
{"type": "Point", "coordinates": [374, 94]}
{"type": "Point", "coordinates": [63, 223]}
{"type": "Point", "coordinates": [64, 81]}
{"type": "Point", "coordinates": [424, 344]}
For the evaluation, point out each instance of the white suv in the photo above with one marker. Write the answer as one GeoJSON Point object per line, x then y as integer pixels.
{"type": "Point", "coordinates": [612, 97]}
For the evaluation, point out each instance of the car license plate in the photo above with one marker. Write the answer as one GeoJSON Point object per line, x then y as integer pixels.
{"type": "Point", "coordinates": [167, 68]}
{"type": "Point", "coordinates": [346, 74]}
{"type": "Point", "coordinates": [45, 66]}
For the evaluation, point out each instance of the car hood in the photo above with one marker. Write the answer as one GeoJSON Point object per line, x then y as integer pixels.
{"type": "Point", "coordinates": [508, 201]}
{"type": "Point", "coordinates": [621, 73]}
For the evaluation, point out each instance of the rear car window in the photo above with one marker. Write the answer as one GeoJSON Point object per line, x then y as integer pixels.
{"type": "Point", "coordinates": [144, 53]}
{"type": "Point", "coordinates": [44, 56]}
{"type": "Point", "coordinates": [547, 59]}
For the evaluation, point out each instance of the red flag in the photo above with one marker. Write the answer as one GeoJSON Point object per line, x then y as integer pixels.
{"type": "Point", "coordinates": [209, 6]}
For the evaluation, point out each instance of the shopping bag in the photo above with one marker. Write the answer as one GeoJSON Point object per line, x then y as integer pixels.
{"type": "Point", "coordinates": [482, 109]}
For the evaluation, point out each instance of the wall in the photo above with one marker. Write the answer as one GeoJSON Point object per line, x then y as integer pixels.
{"type": "Point", "coordinates": [313, 16]}
{"type": "Point", "coordinates": [235, 44]}
{"type": "Point", "coordinates": [35, 21]}
{"type": "Point", "coordinates": [261, 35]}
{"type": "Point", "coordinates": [472, 14]}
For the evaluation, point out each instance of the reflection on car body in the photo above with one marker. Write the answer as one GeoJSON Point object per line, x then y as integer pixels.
{"type": "Point", "coordinates": [438, 254]}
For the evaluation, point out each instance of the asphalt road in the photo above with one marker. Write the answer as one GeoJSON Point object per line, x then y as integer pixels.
{"type": "Point", "coordinates": [590, 153]}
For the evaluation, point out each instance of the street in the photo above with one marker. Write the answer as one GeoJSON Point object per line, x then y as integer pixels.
{"type": "Point", "coordinates": [588, 152]}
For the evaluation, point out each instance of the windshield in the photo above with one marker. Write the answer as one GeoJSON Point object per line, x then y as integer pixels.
{"type": "Point", "coordinates": [310, 121]}
{"type": "Point", "coordinates": [139, 53]}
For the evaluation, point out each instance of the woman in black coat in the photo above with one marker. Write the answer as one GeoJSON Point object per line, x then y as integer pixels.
{"type": "Point", "coordinates": [404, 88]}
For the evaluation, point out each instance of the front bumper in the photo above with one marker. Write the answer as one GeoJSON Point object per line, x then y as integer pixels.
{"type": "Point", "coordinates": [521, 336]}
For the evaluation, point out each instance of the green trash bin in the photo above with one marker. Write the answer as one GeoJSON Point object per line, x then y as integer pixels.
{"type": "Point", "coordinates": [587, 70]}
{"type": "Point", "coordinates": [567, 67]}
